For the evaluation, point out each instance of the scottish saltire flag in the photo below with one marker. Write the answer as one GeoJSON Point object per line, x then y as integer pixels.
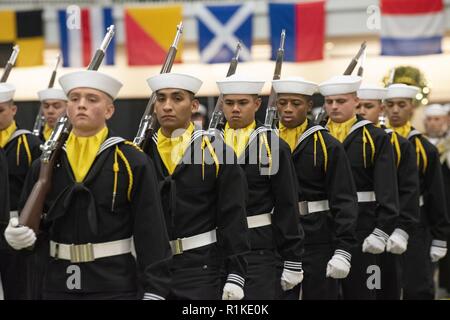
{"type": "Point", "coordinates": [220, 28]}
{"type": "Point", "coordinates": [79, 42]}
{"type": "Point", "coordinates": [411, 27]}
{"type": "Point", "coordinates": [305, 29]}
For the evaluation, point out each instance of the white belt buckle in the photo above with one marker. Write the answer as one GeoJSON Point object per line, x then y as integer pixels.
{"type": "Point", "coordinates": [81, 253]}
{"type": "Point", "coordinates": [176, 246]}
{"type": "Point", "coordinates": [303, 208]}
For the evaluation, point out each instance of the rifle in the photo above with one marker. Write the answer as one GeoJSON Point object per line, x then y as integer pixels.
{"type": "Point", "coordinates": [51, 150]}
{"type": "Point", "coordinates": [271, 111]}
{"type": "Point", "coordinates": [148, 124]}
{"type": "Point", "coordinates": [361, 65]}
{"type": "Point", "coordinates": [391, 77]}
{"type": "Point", "coordinates": [217, 118]}
{"type": "Point", "coordinates": [382, 117]}
{"type": "Point", "coordinates": [10, 63]}
{"type": "Point", "coordinates": [40, 120]}
{"type": "Point", "coordinates": [322, 118]}
{"type": "Point", "coordinates": [355, 59]}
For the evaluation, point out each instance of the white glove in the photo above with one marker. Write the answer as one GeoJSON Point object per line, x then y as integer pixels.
{"type": "Point", "coordinates": [232, 291]}
{"type": "Point", "coordinates": [375, 243]}
{"type": "Point", "coordinates": [397, 242]}
{"type": "Point", "coordinates": [289, 279]}
{"type": "Point", "coordinates": [438, 250]}
{"type": "Point", "coordinates": [19, 237]}
{"type": "Point", "coordinates": [338, 267]}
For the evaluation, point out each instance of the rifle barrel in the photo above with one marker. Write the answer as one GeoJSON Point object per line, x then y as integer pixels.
{"type": "Point", "coordinates": [9, 65]}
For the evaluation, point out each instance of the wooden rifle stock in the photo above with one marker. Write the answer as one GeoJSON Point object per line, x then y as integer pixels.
{"type": "Point", "coordinates": [31, 213]}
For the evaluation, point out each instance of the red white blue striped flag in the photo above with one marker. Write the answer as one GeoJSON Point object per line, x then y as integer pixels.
{"type": "Point", "coordinates": [79, 43]}
{"type": "Point", "coordinates": [411, 27]}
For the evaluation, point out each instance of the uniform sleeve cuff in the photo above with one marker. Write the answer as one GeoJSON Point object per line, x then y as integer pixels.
{"type": "Point", "coordinates": [152, 296]}
{"type": "Point", "coordinates": [402, 233]}
{"type": "Point", "coordinates": [344, 254]}
{"type": "Point", "coordinates": [236, 279]}
{"type": "Point", "coordinates": [293, 265]}
{"type": "Point", "coordinates": [380, 233]}
{"type": "Point", "coordinates": [439, 243]}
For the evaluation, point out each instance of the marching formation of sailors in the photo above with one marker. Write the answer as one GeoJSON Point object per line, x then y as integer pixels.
{"type": "Point", "coordinates": [301, 210]}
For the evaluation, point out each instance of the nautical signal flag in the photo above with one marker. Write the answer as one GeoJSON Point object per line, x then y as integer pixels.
{"type": "Point", "coordinates": [24, 28]}
{"type": "Point", "coordinates": [305, 29]}
{"type": "Point", "coordinates": [81, 35]}
{"type": "Point", "coordinates": [150, 32]}
{"type": "Point", "coordinates": [411, 27]}
{"type": "Point", "coordinates": [220, 28]}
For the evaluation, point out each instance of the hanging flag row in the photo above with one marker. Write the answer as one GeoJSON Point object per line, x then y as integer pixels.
{"type": "Point", "coordinates": [409, 27]}
{"type": "Point", "coordinates": [149, 31]}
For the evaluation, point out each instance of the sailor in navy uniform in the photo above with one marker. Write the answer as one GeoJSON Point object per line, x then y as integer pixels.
{"type": "Point", "coordinates": [272, 204]}
{"type": "Point", "coordinates": [20, 148]}
{"type": "Point", "coordinates": [203, 197]}
{"type": "Point", "coordinates": [53, 105]}
{"type": "Point", "coordinates": [104, 198]}
{"type": "Point", "coordinates": [326, 192]}
{"type": "Point", "coordinates": [436, 126]}
{"type": "Point", "coordinates": [428, 243]}
{"type": "Point", "coordinates": [4, 209]}
{"type": "Point", "coordinates": [373, 169]}
{"type": "Point", "coordinates": [371, 108]}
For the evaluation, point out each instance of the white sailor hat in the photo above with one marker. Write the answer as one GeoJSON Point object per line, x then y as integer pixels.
{"type": "Point", "coordinates": [51, 93]}
{"type": "Point", "coordinates": [447, 107]}
{"type": "Point", "coordinates": [174, 81]}
{"type": "Point", "coordinates": [240, 84]}
{"type": "Point", "coordinates": [340, 85]}
{"type": "Point", "coordinates": [371, 92]}
{"type": "Point", "coordinates": [296, 85]}
{"type": "Point", "coordinates": [7, 91]}
{"type": "Point", "coordinates": [400, 90]}
{"type": "Point", "coordinates": [435, 110]}
{"type": "Point", "coordinates": [90, 79]}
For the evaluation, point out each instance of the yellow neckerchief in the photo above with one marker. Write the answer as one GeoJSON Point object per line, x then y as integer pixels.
{"type": "Point", "coordinates": [395, 143]}
{"type": "Point", "coordinates": [421, 154]}
{"type": "Point", "coordinates": [82, 151]}
{"type": "Point", "coordinates": [403, 130]}
{"type": "Point", "coordinates": [238, 139]}
{"type": "Point", "coordinates": [6, 134]}
{"type": "Point", "coordinates": [291, 135]}
{"type": "Point", "coordinates": [47, 132]}
{"type": "Point", "coordinates": [341, 130]}
{"type": "Point", "coordinates": [172, 150]}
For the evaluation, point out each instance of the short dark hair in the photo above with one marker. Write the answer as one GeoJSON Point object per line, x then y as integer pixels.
{"type": "Point", "coordinates": [308, 98]}
{"type": "Point", "coordinates": [190, 93]}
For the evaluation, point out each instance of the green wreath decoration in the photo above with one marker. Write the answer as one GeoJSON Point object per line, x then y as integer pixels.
{"type": "Point", "coordinates": [410, 76]}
